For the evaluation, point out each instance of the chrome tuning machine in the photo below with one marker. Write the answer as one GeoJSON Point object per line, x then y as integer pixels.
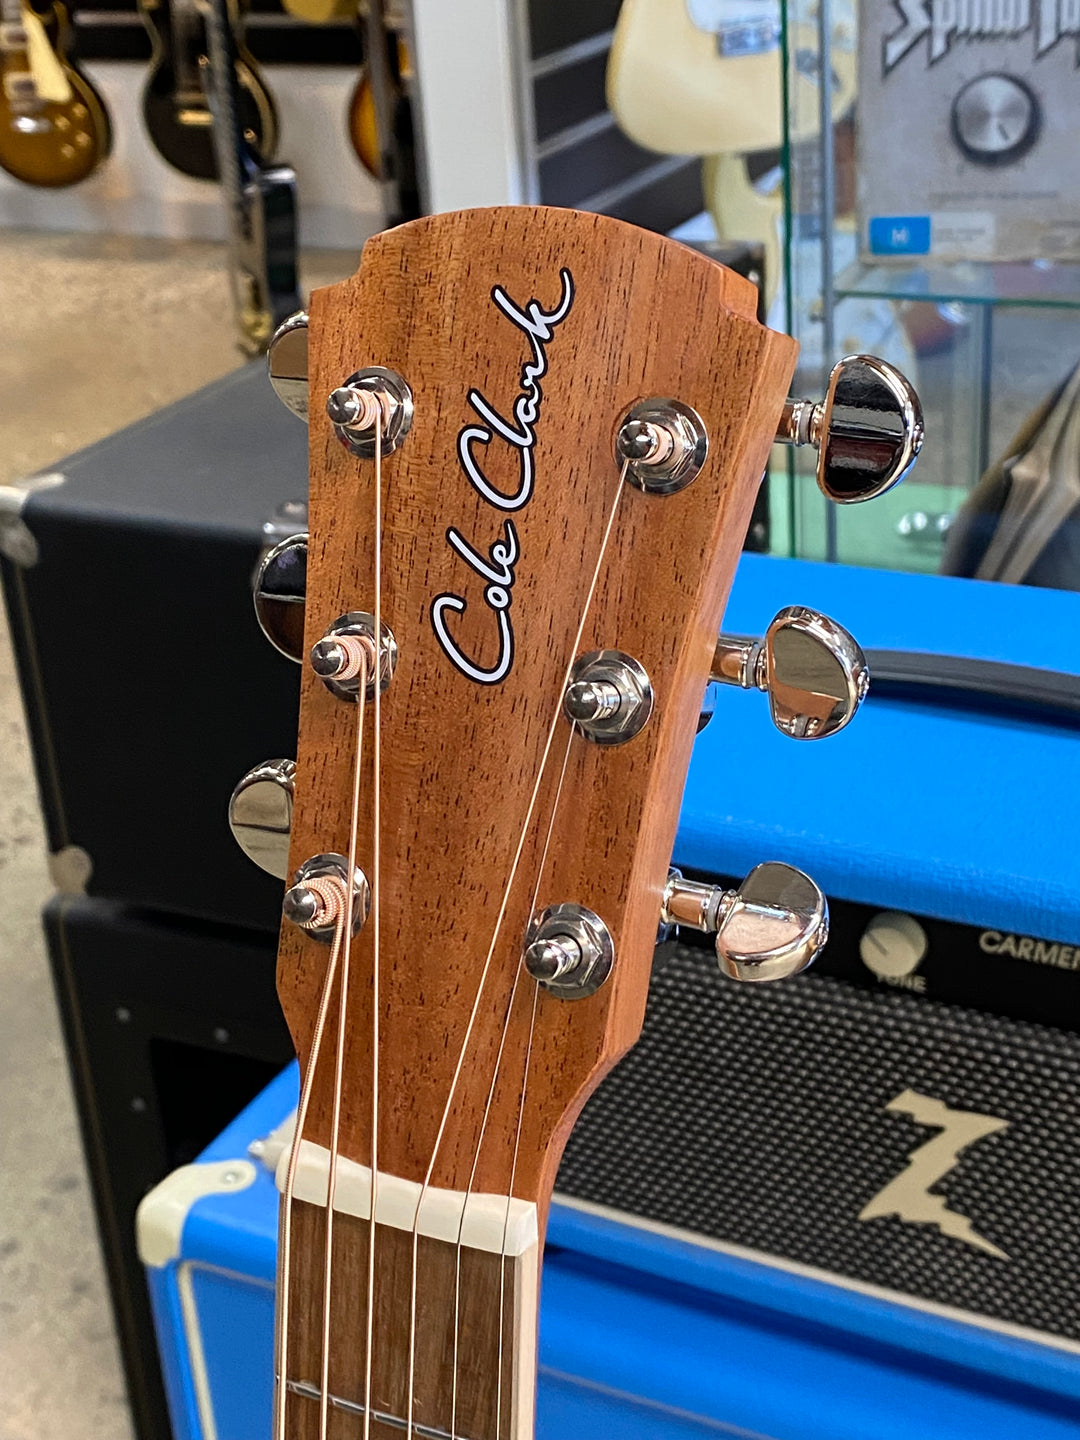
{"type": "Point", "coordinates": [279, 592]}
{"type": "Point", "coordinates": [812, 670]}
{"type": "Point", "coordinates": [867, 431]}
{"type": "Point", "coordinates": [351, 406]}
{"type": "Point", "coordinates": [770, 928]}
{"type": "Point", "coordinates": [287, 362]}
{"type": "Point", "coordinates": [260, 815]}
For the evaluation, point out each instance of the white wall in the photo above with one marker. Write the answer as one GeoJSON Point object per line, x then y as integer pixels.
{"type": "Point", "coordinates": [136, 193]}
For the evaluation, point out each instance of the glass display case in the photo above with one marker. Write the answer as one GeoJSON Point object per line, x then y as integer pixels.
{"type": "Point", "coordinates": [924, 214]}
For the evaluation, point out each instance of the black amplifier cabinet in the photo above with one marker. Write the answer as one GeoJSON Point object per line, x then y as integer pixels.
{"type": "Point", "coordinates": [148, 686]}
{"type": "Point", "coordinates": [171, 1027]}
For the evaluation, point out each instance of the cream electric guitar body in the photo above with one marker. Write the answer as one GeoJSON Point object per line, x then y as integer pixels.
{"type": "Point", "coordinates": [703, 77]}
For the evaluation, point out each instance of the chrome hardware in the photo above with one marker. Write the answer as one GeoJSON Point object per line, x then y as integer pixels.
{"type": "Point", "coordinates": [867, 431]}
{"type": "Point", "coordinates": [609, 697]}
{"type": "Point", "coordinates": [663, 444]}
{"type": "Point", "coordinates": [280, 590]}
{"type": "Point", "coordinates": [307, 910]}
{"type": "Point", "coordinates": [17, 541]}
{"type": "Point", "coordinates": [569, 951]}
{"type": "Point", "coordinates": [260, 815]}
{"type": "Point", "coordinates": [346, 408]}
{"type": "Point", "coordinates": [812, 670]}
{"type": "Point", "coordinates": [289, 519]}
{"type": "Point", "coordinates": [329, 659]}
{"type": "Point", "coordinates": [287, 362]}
{"type": "Point", "coordinates": [771, 927]}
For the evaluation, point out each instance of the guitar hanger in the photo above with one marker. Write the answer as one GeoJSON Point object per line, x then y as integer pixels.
{"type": "Point", "coordinates": [536, 440]}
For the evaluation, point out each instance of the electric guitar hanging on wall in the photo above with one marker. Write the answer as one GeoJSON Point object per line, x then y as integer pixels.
{"type": "Point", "coordinates": [175, 108]}
{"type": "Point", "coordinates": [536, 440]}
{"type": "Point", "coordinates": [260, 199]}
{"type": "Point", "coordinates": [703, 77]}
{"type": "Point", "coordinates": [54, 128]}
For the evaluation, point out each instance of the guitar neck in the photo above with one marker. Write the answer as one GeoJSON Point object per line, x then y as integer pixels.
{"type": "Point", "coordinates": [466, 1356]}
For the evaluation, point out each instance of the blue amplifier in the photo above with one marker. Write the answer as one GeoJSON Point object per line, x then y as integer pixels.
{"type": "Point", "coordinates": [842, 1206]}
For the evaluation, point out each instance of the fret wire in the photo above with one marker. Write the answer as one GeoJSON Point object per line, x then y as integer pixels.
{"type": "Point", "coordinates": [307, 1391]}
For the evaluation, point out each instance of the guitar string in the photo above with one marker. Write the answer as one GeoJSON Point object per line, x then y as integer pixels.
{"type": "Point", "coordinates": [506, 1212]}
{"type": "Point", "coordinates": [490, 1098]}
{"type": "Point", "coordinates": [285, 1225]}
{"type": "Point", "coordinates": [342, 916]}
{"type": "Point", "coordinates": [336, 900]}
{"type": "Point", "coordinates": [346, 921]}
{"type": "Point", "coordinates": [376, 877]}
{"type": "Point", "coordinates": [553, 730]}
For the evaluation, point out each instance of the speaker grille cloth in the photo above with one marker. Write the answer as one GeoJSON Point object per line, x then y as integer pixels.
{"type": "Point", "coordinates": [756, 1115]}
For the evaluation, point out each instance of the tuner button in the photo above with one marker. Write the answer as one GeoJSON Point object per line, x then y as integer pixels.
{"type": "Point", "coordinates": [773, 926]}
{"type": "Point", "coordinates": [287, 361]}
{"type": "Point", "coordinates": [813, 671]}
{"type": "Point", "coordinates": [260, 815]}
{"type": "Point", "coordinates": [867, 431]}
{"type": "Point", "coordinates": [280, 588]}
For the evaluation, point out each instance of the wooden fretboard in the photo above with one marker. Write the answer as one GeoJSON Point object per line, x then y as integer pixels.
{"type": "Point", "coordinates": [441, 1268]}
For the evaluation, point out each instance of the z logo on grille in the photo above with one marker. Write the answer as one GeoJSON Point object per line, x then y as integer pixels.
{"type": "Point", "coordinates": [908, 1197]}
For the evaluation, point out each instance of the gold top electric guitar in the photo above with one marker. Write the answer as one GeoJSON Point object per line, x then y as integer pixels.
{"type": "Point", "coordinates": [536, 440]}
{"type": "Point", "coordinates": [54, 128]}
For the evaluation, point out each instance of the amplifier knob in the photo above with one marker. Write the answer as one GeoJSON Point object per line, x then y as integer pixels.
{"type": "Point", "coordinates": [893, 944]}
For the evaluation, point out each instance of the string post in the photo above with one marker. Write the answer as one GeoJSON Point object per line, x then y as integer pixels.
{"type": "Point", "coordinates": [569, 951]}
{"type": "Point", "coordinates": [372, 409]}
{"type": "Point", "coordinates": [609, 698]}
{"type": "Point", "coordinates": [346, 659]}
{"type": "Point", "coordinates": [662, 443]}
{"type": "Point", "coordinates": [316, 902]}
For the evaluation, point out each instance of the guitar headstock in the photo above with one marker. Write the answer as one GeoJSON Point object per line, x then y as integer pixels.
{"type": "Point", "coordinates": [574, 417]}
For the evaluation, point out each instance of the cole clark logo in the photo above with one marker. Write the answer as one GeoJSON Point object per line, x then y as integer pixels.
{"type": "Point", "coordinates": [944, 21]}
{"type": "Point", "coordinates": [519, 432]}
{"type": "Point", "coordinates": [909, 1197]}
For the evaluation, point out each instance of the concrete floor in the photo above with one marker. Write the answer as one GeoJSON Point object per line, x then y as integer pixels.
{"type": "Point", "coordinates": [94, 334]}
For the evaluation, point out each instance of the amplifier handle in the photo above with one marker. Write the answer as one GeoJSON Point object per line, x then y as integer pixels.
{"type": "Point", "coordinates": [957, 680]}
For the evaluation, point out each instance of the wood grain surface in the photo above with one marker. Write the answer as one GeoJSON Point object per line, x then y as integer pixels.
{"type": "Point", "coordinates": [461, 759]}
{"type": "Point", "coordinates": [649, 318]}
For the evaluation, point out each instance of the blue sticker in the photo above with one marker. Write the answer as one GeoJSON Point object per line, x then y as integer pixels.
{"type": "Point", "coordinates": [900, 235]}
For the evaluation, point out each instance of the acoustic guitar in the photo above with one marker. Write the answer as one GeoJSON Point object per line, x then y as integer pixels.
{"type": "Point", "coordinates": [176, 111]}
{"type": "Point", "coordinates": [536, 440]}
{"type": "Point", "coordinates": [54, 128]}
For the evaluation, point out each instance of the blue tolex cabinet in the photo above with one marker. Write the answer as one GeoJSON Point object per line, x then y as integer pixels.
{"type": "Point", "coordinates": [648, 1333]}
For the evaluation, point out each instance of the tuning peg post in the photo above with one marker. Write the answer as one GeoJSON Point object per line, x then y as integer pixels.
{"type": "Point", "coordinates": [868, 430]}
{"type": "Point", "coordinates": [770, 928]}
{"type": "Point", "coordinates": [811, 668]}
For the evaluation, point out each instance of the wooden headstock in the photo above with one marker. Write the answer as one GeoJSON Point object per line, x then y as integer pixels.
{"type": "Point", "coordinates": [525, 335]}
